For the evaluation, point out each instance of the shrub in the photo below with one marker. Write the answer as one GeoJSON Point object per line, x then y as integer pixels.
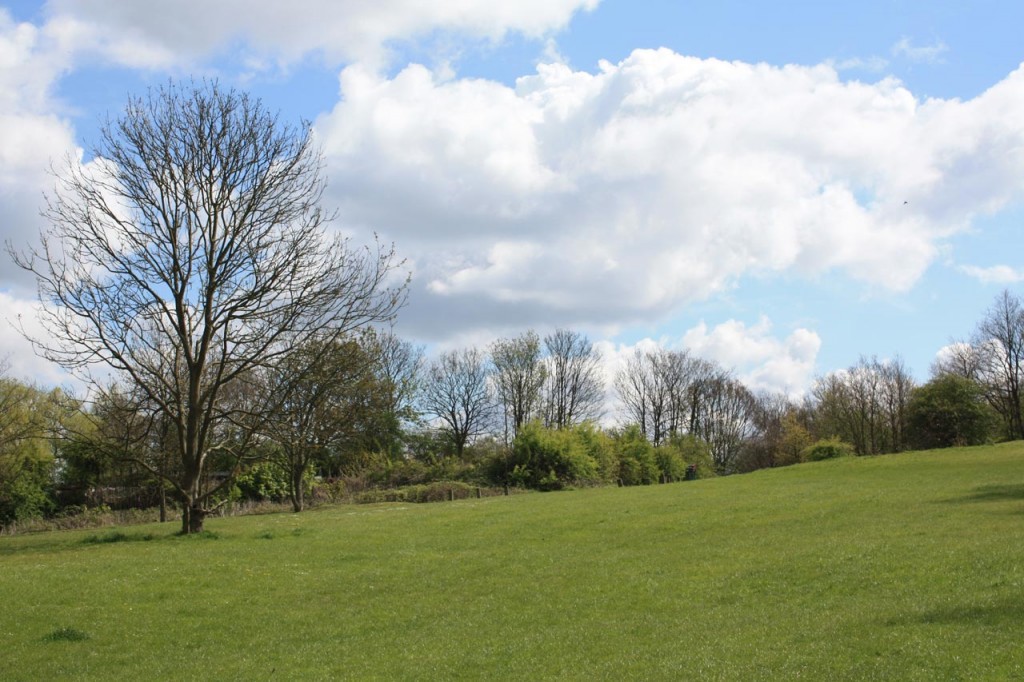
{"type": "Point", "coordinates": [263, 481]}
{"type": "Point", "coordinates": [548, 459]}
{"type": "Point", "coordinates": [636, 460]}
{"type": "Point", "coordinates": [681, 451]}
{"type": "Point", "coordinates": [828, 448]}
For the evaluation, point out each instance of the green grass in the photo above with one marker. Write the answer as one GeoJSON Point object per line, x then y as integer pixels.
{"type": "Point", "coordinates": [900, 567]}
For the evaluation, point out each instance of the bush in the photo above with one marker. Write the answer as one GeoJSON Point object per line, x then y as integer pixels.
{"type": "Point", "coordinates": [263, 481]}
{"type": "Point", "coordinates": [27, 494]}
{"type": "Point", "coordinates": [681, 451]}
{"type": "Point", "coordinates": [636, 460]}
{"type": "Point", "coordinates": [548, 459]}
{"type": "Point", "coordinates": [828, 448]}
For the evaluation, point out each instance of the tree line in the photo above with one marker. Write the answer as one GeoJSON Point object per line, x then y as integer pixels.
{"type": "Point", "coordinates": [245, 350]}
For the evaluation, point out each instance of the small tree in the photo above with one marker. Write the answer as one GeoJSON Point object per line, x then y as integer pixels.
{"type": "Point", "coordinates": [192, 253]}
{"type": "Point", "coordinates": [457, 393]}
{"type": "Point", "coordinates": [332, 400]}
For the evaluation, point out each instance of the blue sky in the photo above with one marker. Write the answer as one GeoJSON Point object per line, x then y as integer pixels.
{"type": "Point", "coordinates": [780, 186]}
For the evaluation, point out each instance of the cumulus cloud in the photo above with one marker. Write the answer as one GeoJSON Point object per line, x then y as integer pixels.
{"type": "Point", "coordinates": [761, 360]}
{"type": "Point", "coordinates": [32, 133]}
{"type": "Point", "coordinates": [996, 274]}
{"type": "Point", "coordinates": [24, 364]}
{"type": "Point", "coordinates": [611, 197]}
{"type": "Point", "coordinates": [156, 34]}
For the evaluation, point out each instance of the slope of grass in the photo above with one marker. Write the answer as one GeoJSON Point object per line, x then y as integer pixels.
{"type": "Point", "coordinates": [901, 567]}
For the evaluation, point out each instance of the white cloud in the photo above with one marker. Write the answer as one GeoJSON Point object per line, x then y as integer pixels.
{"type": "Point", "coordinates": [160, 34]}
{"type": "Point", "coordinates": [618, 196]}
{"type": "Point", "coordinates": [32, 134]}
{"type": "Point", "coordinates": [873, 64]}
{"type": "Point", "coordinates": [761, 360]}
{"type": "Point", "coordinates": [757, 357]}
{"type": "Point", "coordinates": [24, 363]}
{"type": "Point", "coordinates": [996, 274]}
{"type": "Point", "coordinates": [925, 54]}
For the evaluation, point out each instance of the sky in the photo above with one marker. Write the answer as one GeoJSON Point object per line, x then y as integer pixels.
{"type": "Point", "coordinates": [782, 187]}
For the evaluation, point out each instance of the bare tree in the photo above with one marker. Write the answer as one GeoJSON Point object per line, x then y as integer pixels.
{"type": "Point", "coordinates": [897, 387]}
{"type": "Point", "coordinates": [865, 405]}
{"type": "Point", "coordinates": [518, 376]}
{"type": "Point", "coordinates": [458, 394]}
{"type": "Point", "coordinates": [727, 420]}
{"type": "Point", "coordinates": [999, 341]}
{"type": "Point", "coordinates": [575, 390]}
{"type": "Point", "coordinates": [192, 251]}
{"type": "Point", "coordinates": [666, 392]}
{"type": "Point", "coordinates": [959, 358]}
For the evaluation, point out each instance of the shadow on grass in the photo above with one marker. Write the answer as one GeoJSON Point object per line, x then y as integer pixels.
{"type": "Point", "coordinates": [1005, 613]}
{"type": "Point", "coordinates": [117, 536]}
{"type": "Point", "coordinates": [66, 635]}
{"type": "Point", "coordinates": [1002, 492]}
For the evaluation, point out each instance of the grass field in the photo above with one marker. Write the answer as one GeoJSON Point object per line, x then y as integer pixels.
{"type": "Point", "coordinates": [899, 567]}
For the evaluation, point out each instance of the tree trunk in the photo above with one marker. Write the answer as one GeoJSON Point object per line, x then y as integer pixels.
{"type": "Point", "coordinates": [192, 520]}
{"type": "Point", "coordinates": [297, 489]}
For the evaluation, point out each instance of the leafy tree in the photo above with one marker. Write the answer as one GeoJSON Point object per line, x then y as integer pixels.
{"type": "Point", "coordinates": [191, 253]}
{"type": "Point", "coordinates": [27, 421]}
{"type": "Point", "coordinates": [949, 411]}
{"type": "Point", "coordinates": [398, 366]}
{"type": "Point", "coordinates": [794, 440]}
{"type": "Point", "coordinates": [332, 403]}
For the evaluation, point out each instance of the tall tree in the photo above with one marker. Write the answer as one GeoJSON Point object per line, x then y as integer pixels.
{"type": "Point", "coordinates": [574, 390]}
{"type": "Point", "coordinates": [999, 340]}
{"type": "Point", "coordinates": [457, 393]}
{"type": "Point", "coordinates": [865, 405]}
{"type": "Point", "coordinates": [518, 376]}
{"type": "Point", "coordinates": [191, 252]}
{"type": "Point", "coordinates": [666, 392]}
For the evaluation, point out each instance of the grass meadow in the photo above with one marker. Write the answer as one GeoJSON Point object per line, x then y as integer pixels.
{"type": "Point", "coordinates": [899, 567]}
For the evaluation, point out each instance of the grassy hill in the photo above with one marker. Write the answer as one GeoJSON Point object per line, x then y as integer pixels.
{"type": "Point", "coordinates": [899, 567]}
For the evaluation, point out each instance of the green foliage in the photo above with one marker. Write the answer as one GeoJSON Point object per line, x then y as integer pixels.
{"type": "Point", "coordinates": [793, 440]}
{"type": "Point", "coordinates": [263, 481]}
{"type": "Point", "coordinates": [549, 459]}
{"type": "Point", "coordinates": [681, 451]}
{"type": "Point", "coordinates": [637, 462]}
{"type": "Point", "coordinates": [827, 448]}
{"type": "Point", "coordinates": [601, 449]}
{"type": "Point", "coordinates": [26, 492]}
{"type": "Point", "coordinates": [949, 410]}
